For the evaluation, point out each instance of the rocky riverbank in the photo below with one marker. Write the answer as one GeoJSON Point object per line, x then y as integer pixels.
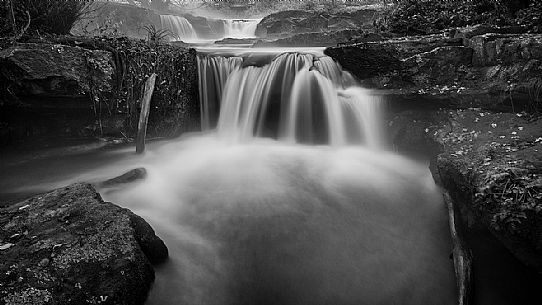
{"type": "Point", "coordinates": [480, 66]}
{"type": "Point", "coordinates": [68, 246]}
{"type": "Point", "coordinates": [93, 87]}
{"type": "Point", "coordinates": [469, 97]}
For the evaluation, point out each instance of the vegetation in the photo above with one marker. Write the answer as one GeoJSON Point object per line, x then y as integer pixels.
{"type": "Point", "coordinates": [429, 16]}
{"type": "Point", "coordinates": [135, 61]}
{"type": "Point", "coordinates": [40, 16]}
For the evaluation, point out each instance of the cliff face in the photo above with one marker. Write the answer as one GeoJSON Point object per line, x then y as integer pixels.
{"type": "Point", "coordinates": [99, 83]}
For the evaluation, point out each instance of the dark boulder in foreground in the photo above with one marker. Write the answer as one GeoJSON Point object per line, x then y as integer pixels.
{"type": "Point", "coordinates": [68, 246]}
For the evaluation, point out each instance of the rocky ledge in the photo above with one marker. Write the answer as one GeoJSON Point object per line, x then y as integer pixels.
{"type": "Point", "coordinates": [492, 166]}
{"type": "Point", "coordinates": [285, 23]}
{"type": "Point", "coordinates": [68, 246]}
{"type": "Point", "coordinates": [480, 66]}
{"type": "Point", "coordinates": [490, 163]}
{"type": "Point", "coordinates": [471, 98]}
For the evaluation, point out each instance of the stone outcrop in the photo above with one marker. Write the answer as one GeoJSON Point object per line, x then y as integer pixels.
{"type": "Point", "coordinates": [299, 21]}
{"type": "Point", "coordinates": [56, 69]}
{"type": "Point", "coordinates": [92, 86]}
{"type": "Point", "coordinates": [490, 164]}
{"type": "Point", "coordinates": [321, 39]}
{"type": "Point", "coordinates": [470, 98]}
{"type": "Point", "coordinates": [68, 246]}
{"type": "Point", "coordinates": [496, 70]}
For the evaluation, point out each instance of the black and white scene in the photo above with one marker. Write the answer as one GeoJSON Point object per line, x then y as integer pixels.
{"type": "Point", "coordinates": [271, 152]}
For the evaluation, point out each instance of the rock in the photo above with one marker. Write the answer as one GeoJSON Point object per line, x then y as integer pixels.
{"type": "Point", "coordinates": [241, 41]}
{"type": "Point", "coordinates": [481, 29]}
{"type": "Point", "coordinates": [128, 177]}
{"type": "Point", "coordinates": [56, 70]}
{"type": "Point", "coordinates": [438, 66]}
{"type": "Point", "coordinates": [299, 21]}
{"type": "Point", "coordinates": [493, 49]}
{"type": "Point", "coordinates": [78, 250]}
{"type": "Point", "coordinates": [44, 262]}
{"type": "Point", "coordinates": [486, 153]}
{"type": "Point", "coordinates": [319, 39]}
{"type": "Point", "coordinates": [497, 71]}
{"type": "Point", "coordinates": [369, 59]}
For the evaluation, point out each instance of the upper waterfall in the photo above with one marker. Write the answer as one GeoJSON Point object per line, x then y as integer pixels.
{"type": "Point", "coordinates": [294, 96]}
{"type": "Point", "coordinates": [179, 27]}
{"type": "Point", "coordinates": [200, 29]}
{"type": "Point", "coordinates": [240, 28]}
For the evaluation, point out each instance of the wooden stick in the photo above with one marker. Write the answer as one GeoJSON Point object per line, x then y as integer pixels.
{"type": "Point", "coordinates": [462, 256]}
{"type": "Point", "coordinates": [144, 115]}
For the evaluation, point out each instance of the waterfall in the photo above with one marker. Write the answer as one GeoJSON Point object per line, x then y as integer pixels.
{"type": "Point", "coordinates": [213, 73]}
{"type": "Point", "coordinates": [240, 28]}
{"type": "Point", "coordinates": [180, 28]}
{"type": "Point", "coordinates": [296, 97]}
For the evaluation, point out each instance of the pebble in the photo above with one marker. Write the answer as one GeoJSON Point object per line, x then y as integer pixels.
{"type": "Point", "coordinates": [44, 262]}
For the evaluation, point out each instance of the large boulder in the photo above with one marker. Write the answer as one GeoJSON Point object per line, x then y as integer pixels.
{"type": "Point", "coordinates": [56, 70]}
{"type": "Point", "coordinates": [319, 39]}
{"type": "Point", "coordinates": [68, 246]}
{"type": "Point", "coordinates": [299, 21]}
{"type": "Point", "coordinates": [493, 70]}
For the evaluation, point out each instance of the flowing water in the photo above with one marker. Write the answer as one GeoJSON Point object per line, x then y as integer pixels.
{"type": "Point", "coordinates": [287, 196]}
{"type": "Point", "coordinates": [179, 28]}
{"type": "Point", "coordinates": [206, 30]}
{"type": "Point", "coordinates": [240, 28]}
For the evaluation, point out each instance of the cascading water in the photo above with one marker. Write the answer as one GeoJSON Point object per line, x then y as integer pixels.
{"type": "Point", "coordinates": [295, 97]}
{"type": "Point", "coordinates": [240, 28]}
{"type": "Point", "coordinates": [179, 27]}
{"type": "Point", "coordinates": [254, 213]}
{"type": "Point", "coordinates": [253, 216]}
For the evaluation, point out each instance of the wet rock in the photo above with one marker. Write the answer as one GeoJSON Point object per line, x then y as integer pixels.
{"type": "Point", "coordinates": [78, 250]}
{"type": "Point", "coordinates": [128, 177]}
{"type": "Point", "coordinates": [491, 165]}
{"type": "Point", "coordinates": [319, 39]}
{"type": "Point", "coordinates": [240, 41]}
{"type": "Point", "coordinates": [55, 69]}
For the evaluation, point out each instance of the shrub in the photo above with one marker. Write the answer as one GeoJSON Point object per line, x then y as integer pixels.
{"type": "Point", "coordinates": [531, 17]}
{"type": "Point", "coordinates": [428, 16]}
{"type": "Point", "coordinates": [45, 16]}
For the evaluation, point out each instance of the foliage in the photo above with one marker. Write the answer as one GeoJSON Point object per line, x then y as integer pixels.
{"type": "Point", "coordinates": [46, 16]}
{"type": "Point", "coordinates": [531, 17]}
{"type": "Point", "coordinates": [156, 36]}
{"type": "Point", "coordinates": [135, 61]}
{"type": "Point", "coordinates": [430, 16]}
